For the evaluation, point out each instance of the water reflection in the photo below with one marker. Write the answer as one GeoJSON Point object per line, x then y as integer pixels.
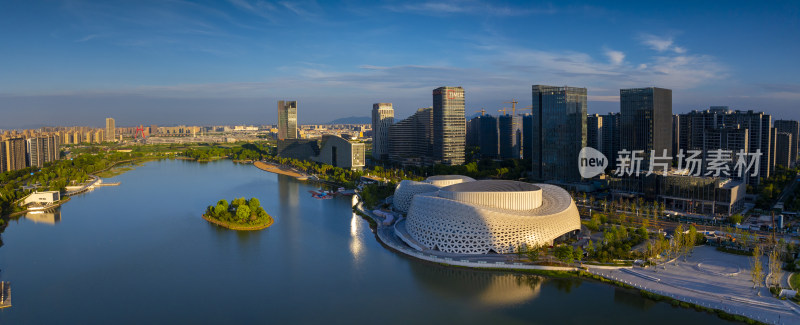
{"type": "Point", "coordinates": [50, 217]}
{"type": "Point", "coordinates": [356, 240]}
{"type": "Point", "coordinates": [632, 298]}
{"type": "Point", "coordinates": [486, 288]}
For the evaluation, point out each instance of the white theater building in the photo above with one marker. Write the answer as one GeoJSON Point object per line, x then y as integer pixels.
{"type": "Point", "coordinates": [457, 214]}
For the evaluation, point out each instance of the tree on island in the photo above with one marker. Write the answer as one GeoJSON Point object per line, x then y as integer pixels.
{"type": "Point", "coordinates": [240, 212]}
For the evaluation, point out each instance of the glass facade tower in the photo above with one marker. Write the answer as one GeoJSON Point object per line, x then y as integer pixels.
{"type": "Point", "coordinates": [287, 119]}
{"type": "Point", "coordinates": [558, 131]}
{"type": "Point", "coordinates": [449, 125]}
{"type": "Point", "coordinates": [646, 121]}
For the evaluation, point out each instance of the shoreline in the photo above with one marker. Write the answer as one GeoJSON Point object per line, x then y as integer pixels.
{"type": "Point", "coordinates": [277, 170]}
{"type": "Point", "coordinates": [230, 226]}
{"type": "Point", "coordinates": [582, 272]}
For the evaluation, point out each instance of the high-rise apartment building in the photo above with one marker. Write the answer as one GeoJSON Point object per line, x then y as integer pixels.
{"type": "Point", "coordinates": [527, 141]}
{"type": "Point", "coordinates": [694, 124]}
{"type": "Point", "coordinates": [287, 120]}
{"type": "Point", "coordinates": [783, 149]}
{"type": "Point", "coordinates": [646, 121]}
{"type": "Point", "coordinates": [558, 134]}
{"type": "Point", "coordinates": [111, 130]}
{"type": "Point", "coordinates": [793, 128]}
{"type": "Point", "coordinates": [14, 157]}
{"type": "Point", "coordinates": [382, 118]}
{"type": "Point", "coordinates": [508, 136]}
{"type": "Point", "coordinates": [449, 125]}
{"type": "Point", "coordinates": [41, 150]}
{"type": "Point", "coordinates": [411, 140]}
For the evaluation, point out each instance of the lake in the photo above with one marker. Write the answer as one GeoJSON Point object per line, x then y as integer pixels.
{"type": "Point", "coordinates": [140, 253]}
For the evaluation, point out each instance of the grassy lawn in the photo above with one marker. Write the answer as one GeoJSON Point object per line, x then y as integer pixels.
{"type": "Point", "coordinates": [794, 281]}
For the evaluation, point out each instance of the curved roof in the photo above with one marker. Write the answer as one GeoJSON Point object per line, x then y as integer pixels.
{"type": "Point", "coordinates": [492, 186]}
{"type": "Point", "coordinates": [449, 177]}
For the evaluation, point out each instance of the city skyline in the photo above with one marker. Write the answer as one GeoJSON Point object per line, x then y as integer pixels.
{"type": "Point", "coordinates": [224, 62]}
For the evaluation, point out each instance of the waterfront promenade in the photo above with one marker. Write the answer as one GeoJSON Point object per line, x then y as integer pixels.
{"type": "Point", "coordinates": [707, 278]}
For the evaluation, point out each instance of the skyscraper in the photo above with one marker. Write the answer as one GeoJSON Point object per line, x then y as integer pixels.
{"type": "Point", "coordinates": [610, 147]}
{"type": "Point", "coordinates": [793, 128]}
{"type": "Point", "coordinates": [411, 140]}
{"type": "Point", "coordinates": [527, 143]}
{"type": "Point", "coordinates": [111, 130]}
{"type": "Point", "coordinates": [488, 140]}
{"type": "Point", "coordinates": [508, 127]}
{"type": "Point", "coordinates": [382, 118]}
{"type": "Point", "coordinates": [594, 131]}
{"type": "Point", "coordinates": [558, 131]}
{"type": "Point", "coordinates": [449, 125]}
{"type": "Point", "coordinates": [287, 120]}
{"type": "Point", "coordinates": [646, 121]}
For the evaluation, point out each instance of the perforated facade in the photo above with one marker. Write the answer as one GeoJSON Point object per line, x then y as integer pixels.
{"type": "Point", "coordinates": [480, 217]}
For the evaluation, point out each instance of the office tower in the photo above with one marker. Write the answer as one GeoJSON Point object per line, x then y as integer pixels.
{"type": "Point", "coordinates": [508, 129]}
{"type": "Point", "coordinates": [695, 123]}
{"type": "Point", "coordinates": [527, 143]}
{"type": "Point", "coordinates": [646, 121]}
{"type": "Point", "coordinates": [411, 140]}
{"type": "Point", "coordinates": [14, 153]}
{"type": "Point", "coordinates": [783, 148]}
{"type": "Point", "coordinates": [111, 132]}
{"type": "Point", "coordinates": [558, 131]}
{"type": "Point", "coordinates": [382, 118]}
{"type": "Point", "coordinates": [449, 125]}
{"type": "Point", "coordinates": [287, 120]}
{"type": "Point", "coordinates": [594, 131]}
{"type": "Point", "coordinates": [489, 136]}
{"type": "Point", "coordinates": [793, 128]}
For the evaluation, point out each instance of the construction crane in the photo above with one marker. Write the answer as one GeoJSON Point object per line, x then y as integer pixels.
{"type": "Point", "coordinates": [503, 110]}
{"type": "Point", "coordinates": [527, 107]}
{"type": "Point", "coordinates": [483, 111]}
{"type": "Point", "coordinates": [513, 103]}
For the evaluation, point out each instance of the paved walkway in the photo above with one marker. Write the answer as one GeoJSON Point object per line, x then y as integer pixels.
{"type": "Point", "coordinates": [712, 279]}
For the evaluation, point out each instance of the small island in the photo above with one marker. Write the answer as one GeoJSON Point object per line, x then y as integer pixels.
{"type": "Point", "coordinates": [241, 214]}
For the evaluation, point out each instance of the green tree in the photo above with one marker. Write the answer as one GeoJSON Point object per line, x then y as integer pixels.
{"type": "Point", "coordinates": [254, 204]}
{"type": "Point", "coordinates": [564, 253]}
{"type": "Point", "coordinates": [243, 213]}
{"type": "Point", "coordinates": [578, 254]}
{"type": "Point", "coordinates": [736, 219]}
{"type": "Point", "coordinates": [533, 253]}
{"type": "Point", "coordinates": [224, 203]}
{"type": "Point", "coordinates": [756, 268]}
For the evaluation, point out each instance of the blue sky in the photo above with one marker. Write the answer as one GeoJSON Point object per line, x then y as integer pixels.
{"type": "Point", "coordinates": [227, 62]}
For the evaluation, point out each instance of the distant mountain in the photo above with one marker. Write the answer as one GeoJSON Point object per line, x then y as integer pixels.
{"type": "Point", "coordinates": [352, 120]}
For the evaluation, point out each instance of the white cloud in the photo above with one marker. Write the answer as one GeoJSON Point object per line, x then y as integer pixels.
{"type": "Point", "coordinates": [657, 43]}
{"type": "Point", "coordinates": [661, 44]}
{"type": "Point", "coordinates": [615, 57]}
{"type": "Point", "coordinates": [435, 8]}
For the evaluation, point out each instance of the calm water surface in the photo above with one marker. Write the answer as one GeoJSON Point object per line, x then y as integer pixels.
{"type": "Point", "coordinates": [139, 253]}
